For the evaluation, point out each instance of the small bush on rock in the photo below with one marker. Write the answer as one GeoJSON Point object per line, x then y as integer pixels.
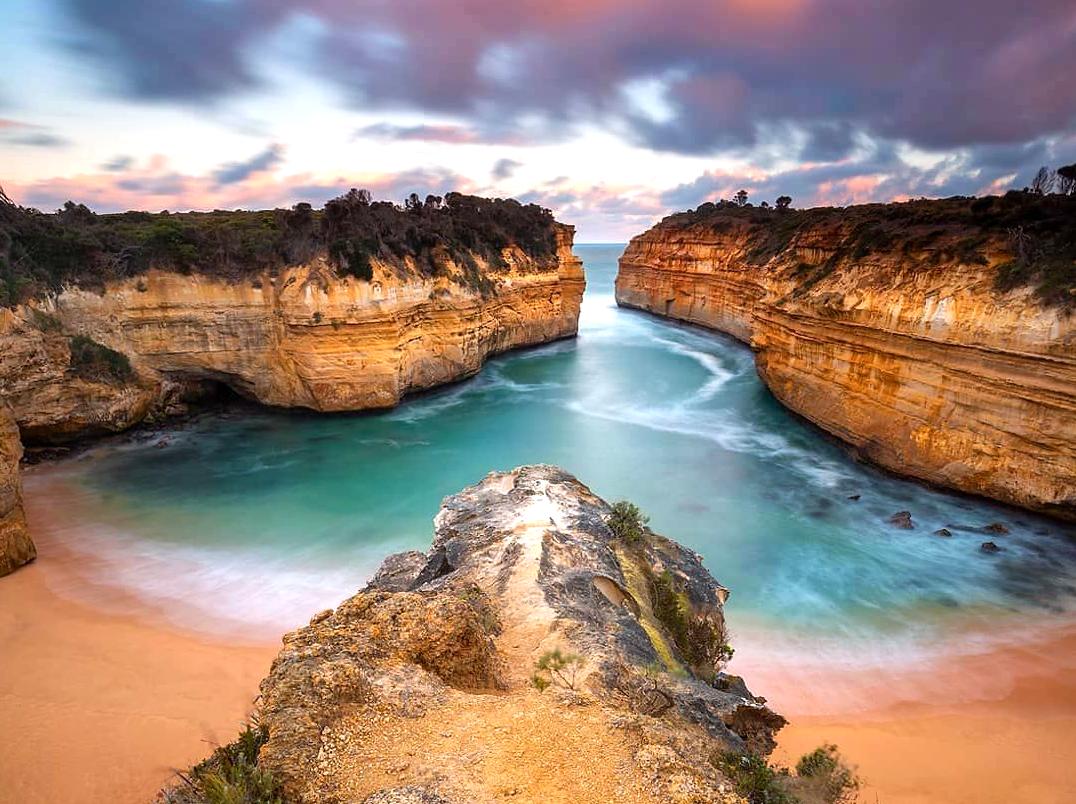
{"type": "Point", "coordinates": [556, 667]}
{"type": "Point", "coordinates": [95, 361]}
{"type": "Point", "coordinates": [627, 522]}
{"type": "Point", "coordinates": [821, 777]}
{"type": "Point", "coordinates": [230, 776]}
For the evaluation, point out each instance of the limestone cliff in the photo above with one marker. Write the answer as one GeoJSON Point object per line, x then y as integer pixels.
{"type": "Point", "coordinates": [896, 329]}
{"type": "Point", "coordinates": [16, 548]}
{"type": "Point", "coordinates": [298, 337]}
{"type": "Point", "coordinates": [421, 688]}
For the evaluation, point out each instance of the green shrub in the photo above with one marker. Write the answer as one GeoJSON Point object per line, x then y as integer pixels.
{"type": "Point", "coordinates": [702, 641]}
{"type": "Point", "coordinates": [755, 779]}
{"type": "Point", "coordinates": [230, 776]}
{"type": "Point", "coordinates": [627, 522]}
{"type": "Point", "coordinates": [823, 775]}
{"type": "Point", "coordinates": [95, 361]}
{"type": "Point", "coordinates": [554, 666]}
{"type": "Point", "coordinates": [821, 778]}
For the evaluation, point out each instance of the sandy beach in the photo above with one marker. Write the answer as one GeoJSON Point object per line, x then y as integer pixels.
{"type": "Point", "coordinates": [97, 706]}
{"type": "Point", "coordinates": [102, 697]}
{"type": "Point", "coordinates": [993, 728]}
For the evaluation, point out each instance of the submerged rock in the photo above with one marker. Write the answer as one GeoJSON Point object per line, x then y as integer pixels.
{"type": "Point", "coordinates": [996, 527]}
{"type": "Point", "coordinates": [989, 547]}
{"type": "Point", "coordinates": [943, 532]}
{"type": "Point", "coordinates": [419, 688]}
{"type": "Point", "coordinates": [903, 520]}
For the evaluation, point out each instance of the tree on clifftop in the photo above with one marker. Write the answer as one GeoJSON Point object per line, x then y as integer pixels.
{"type": "Point", "coordinates": [783, 202]}
{"type": "Point", "coordinates": [741, 198]}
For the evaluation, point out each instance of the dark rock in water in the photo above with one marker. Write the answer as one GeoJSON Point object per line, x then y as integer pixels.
{"type": "Point", "coordinates": [943, 532]}
{"type": "Point", "coordinates": [854, 497]}
{"type": "Point", "coordinates": [902, 519]}
{"type": "Point", "coordinates": [996, 527]}
{"type": "Point", "coordinates": [989, 547]}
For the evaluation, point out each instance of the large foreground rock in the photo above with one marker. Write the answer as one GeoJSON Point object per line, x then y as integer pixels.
{"type": "Point", "coordinates": [419, 688]}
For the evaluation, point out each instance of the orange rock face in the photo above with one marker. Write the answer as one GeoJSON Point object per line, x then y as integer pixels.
{"type": "Point", "coordinates": [302, 338]}
{"type": "Point", "coordinates": [16, 548]}
{"type": "Point", "coordinates": [910, 356]}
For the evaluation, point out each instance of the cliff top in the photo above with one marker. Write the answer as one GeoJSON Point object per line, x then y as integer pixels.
{"type": "Point", "coordinates": [1026, 239]}
{"type": "Point", "coordinates": [42, 252]}
{"type": "Point", "coordinates": [547, 648]}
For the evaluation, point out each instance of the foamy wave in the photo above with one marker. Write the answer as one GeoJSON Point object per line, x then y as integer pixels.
{"type": "Point", "coordinates": [247, 594]}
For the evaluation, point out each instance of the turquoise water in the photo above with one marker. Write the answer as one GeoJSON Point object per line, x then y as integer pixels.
{"type": "Point", "coordinates": [280, 514]}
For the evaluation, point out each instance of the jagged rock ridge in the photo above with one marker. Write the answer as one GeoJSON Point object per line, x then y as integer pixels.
{"type": "Point", "coordinates": [419, 687]}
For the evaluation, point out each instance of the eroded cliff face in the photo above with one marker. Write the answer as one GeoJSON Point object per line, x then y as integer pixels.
{"type": "Point", "coordinates": [903, 349]}
{"type": "Point", "coordinates": [420, 687]}
{"type": "Point", "coordinates": [16, 547]}
{"type": "Point", "coordinates": [302, 338]}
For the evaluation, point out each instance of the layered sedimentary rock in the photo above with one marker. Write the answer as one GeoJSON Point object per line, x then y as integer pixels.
{"type": "Point", "coordinates": [299, 337]}
{"type": "Point", "coordinates": [892, 336]}
{"type": "Point", "coordinates": [422, 686]}
{"type": "Point", "coordinates": [16, 548]}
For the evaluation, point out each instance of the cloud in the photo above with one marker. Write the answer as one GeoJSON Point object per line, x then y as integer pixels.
{"type": "Point", "coordinates": [673, 75]}
{"type": "Point", "coordinates": [234, 172]}
{"type": "Point", "coordinates": [118, 164]}
{"type": "Point", "coordinates": [447, 133]}
{"type": "Point", "coordinates": [504, 168]}
{"type": "Point", "coordinates": [15, 132]}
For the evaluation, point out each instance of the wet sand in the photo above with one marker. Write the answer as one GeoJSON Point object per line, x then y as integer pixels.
{"type": "Point", "coordinates": [102, 707]}
{"type": "Point", "coordinates": [994, 728]}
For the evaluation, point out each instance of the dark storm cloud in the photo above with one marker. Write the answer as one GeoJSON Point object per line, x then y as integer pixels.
{"type": "Point", "coordinates": [234, 172]}
{"type": "Point", "coordinates": [188, 50]}
{"type": "Point", "coordinates": [940, 75]}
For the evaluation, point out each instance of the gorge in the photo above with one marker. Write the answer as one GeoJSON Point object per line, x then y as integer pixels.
{"type": "Point", "coordinates": [137, 330]}
{"type": "Point", "coordinates": [935, 337]}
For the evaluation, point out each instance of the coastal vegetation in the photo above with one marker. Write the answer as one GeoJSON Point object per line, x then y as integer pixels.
{"type": "Point", "coordinates": [231, 775]}
{"type": "Point", "coordinates": [42, 252]}
{"type": "Point", "coordinates": [1036, 229]}
{"type": "Point", "coordinates": [821, 777]}
{"type": "Point", "coordinates": [556, 667]}
{"type": "Point", "coordinates": [94, 361]}
{"type": "Point", "coordinates": [700, 640]}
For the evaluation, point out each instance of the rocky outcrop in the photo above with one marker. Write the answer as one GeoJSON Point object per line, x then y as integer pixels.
{"type": "Point", "coordinates": [885, 326]}
{"type": "Point", "coordinates": [299, 337]}
{"type": "Point", "coordinates": [16, 548]}
{"type": "Point", "coordinates": [427, 685]}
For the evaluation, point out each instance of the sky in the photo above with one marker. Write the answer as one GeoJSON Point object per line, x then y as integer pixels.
{"type": "Point", "coordinates": [612, 114]}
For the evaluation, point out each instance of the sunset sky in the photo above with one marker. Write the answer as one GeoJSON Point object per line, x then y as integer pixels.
{"type": "Point", "coordinates": [610, 113]}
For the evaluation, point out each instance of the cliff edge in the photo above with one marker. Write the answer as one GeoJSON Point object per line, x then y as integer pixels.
{"type": "Point", "coordinates": [534, 653]}
{"type": "Point", "coordinates": [936, 337]}
{"type": "Point", "coordinates": [347, 308]}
